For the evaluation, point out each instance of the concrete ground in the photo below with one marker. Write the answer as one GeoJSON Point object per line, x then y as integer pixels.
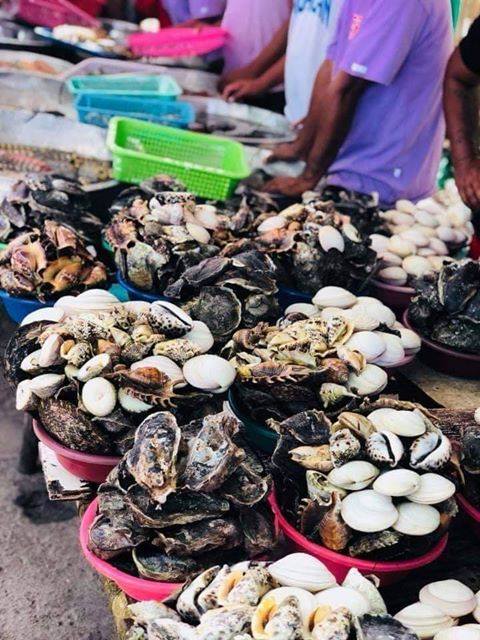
{"type": "Point", "coordinates": [46, 588]}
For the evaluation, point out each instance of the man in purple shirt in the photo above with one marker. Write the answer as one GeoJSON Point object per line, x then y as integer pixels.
{"type": "Point", "coordinates": [181, 11]}
{"type": "Point", "coordinates": [375, 122]}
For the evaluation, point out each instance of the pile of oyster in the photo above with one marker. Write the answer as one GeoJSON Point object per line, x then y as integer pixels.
{"type": "Point", "coordinates": [376, 332]}
{"type": "Point", "coordinates": [372, 485]}
{"type": "Point", "coordinates": [232, 290]}
{"type": "Point", "coordinates": [48, 261]}
{"type": "Point", "coordinates": [314, 246]}
{"type": "Point", "coordinates": [307, 364]}
{"type": "Point", "coordinates": [446, 307]}
{"type": "Point", "coordinates": [37, 198]}
{"type": "Point", "coordinates": [294, 598]}
{"type": "Point", "coordinates": [91, 377]}
{"type": "Point", "coordinates": [438, 610]}
{"type": "Point", "coordinates": [470, 462]}
{"type": "Point", "coordinates": [179, 496]}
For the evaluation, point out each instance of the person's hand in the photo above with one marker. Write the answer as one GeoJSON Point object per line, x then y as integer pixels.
{"type": "Point", "coordinates": [242, 89]}
{"type": "Point", "coordinates": [293, 187]}
{"type": "Point", "coordinates": [467, 178]}
{"type": "Point", "coordinates": [287, 152]}
{"type": "Point", "coordinates": [242, 73]}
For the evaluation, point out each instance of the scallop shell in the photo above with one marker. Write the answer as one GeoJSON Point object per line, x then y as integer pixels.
{"type": "Point", "coordinates": [334, 297]}
{"type": "Point", "coordinates": [347, 597]}
{"type": "Point", "coordinates": [397, 483]}
{"type": "Point", "coordinates": [394, 352]}
{"type": "Point", "coordinates": [368, 511]}
{"type": "Point", "coordinates": [269, 224]}
{"type": "Point", "coordinates": [163, 364]}
{"type": "Point", "coordinates": [331, 238]}
{"type": "Point", "coordinates": [209, 373]}
{"type": "Point", "coordinates": [48, 314]}
{"type": "Point", "coordinates": [424, 620]}
{"type": "Point", "coordinates": [450, 596]}
{"type": "Point", "coordinates": [416, 266]}
{"type": "Point", "coordinates": [94, 367]}
{"type": "Point", "coordinates": [303, 571]}
{"type": "Point", "coordinates": [407, 424]}
{"type": "Point", "coordinates": [354, 475]}
{"type": "Point", "coordinates": [370, 381]}
{"type": "Point", "coordinates": [47, 384]}
{"type": "Point", "coordinates": [369, 343]}
{"type": "Point", "coordinates": [416, 519]}
{"type": "Point", "coordinates": [306, 309]}
{"type": "Point", "coordinates": [433, 488]}
{"type": "Point", "coordinates": [368, 587]}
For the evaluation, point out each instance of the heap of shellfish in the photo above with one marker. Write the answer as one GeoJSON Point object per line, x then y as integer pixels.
{"type": "Point", "coordinates": [179, 496]}
{"type": "Point", "coordinates": [307, 364]}
{"type": "Point", "coordinates": [294, 598]}
{"type": "Point", "coordinates": [470, 462]}
{"type": "Point", "coordinates": [446, 307]}
{"type": "Point", "coordinates": [314, 246]}
{"type": "Point", "coordinates": [377, 334]}
{"type": "Point", "coordinates": [48, 261]}
{"type": "Point", "coordinates": [374, 484]}
{"type": "Point", "coordinates": [91, 371]}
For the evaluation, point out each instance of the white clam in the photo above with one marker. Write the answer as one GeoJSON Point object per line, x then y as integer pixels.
{"type": "Point", "coordinates": [46, 384]}
{"type": "Point", "coordinates": [407, 206]}
{"type": "Point", "coordinates": [430, 232]}
{"type": "Point", "coordinates": [433, 488]}
{"type": "Point", "coordinates": [416, 266]}
{"type": "Point", "coordinates": [209, 373]}
{"type": "Point", "coordinates": [331, 238]}
{"type": "Point", "coordinates": [303, 571]}
{"type": "Point", "coordinates": [430, 205]}
{"type": "Point", "coordinates": [391, 259]}
{"type": "Point", "coordinates": [129, 402]}
{"type": "Point", "coordinates": [402, 218]}
{"type": "Point", "coordinates": [379, 243]}
{"type": "Point", "coordinates": [306, 309]}
{"type": "Point", "coordinates": [163, 364]}
{"type": "Point", "coordinates": [91, 301]}
{"type": "Point", "coordinates": [200, 335]}
{"type": "Point", "coordinates": [401, 247]}
{"type": "Point", "coordinates": [393, 275]}
{"type": "Point", "coordinates": [424, 620]}
{"type": "Point", "coordinates": [137, 306]}
{"type": "Point", "coordinates": [369, 343]}
{"type": "Point", "coordinates": [476, 415]}
{"type": "Point", "coordinates": [361, 319]}
{"type": "Point", "coordinates": [347, 597]}
{"type": "Point", "coordinates": [450, 596]}
{"type": "Point", "coordinates": [206, 216]}
{"type": "Point", "coordinates": [418, 238]}
{"type": "Point", "coordinates": [271, 600]}
{"type": "Point", "coordinates": [464, 632]}
{"type": "Point", "coordinates": [94, 367]}
{"type": "Point", "coordinates": [407, 424]}
{"type": "Point", "coordinates": [458, 215]}
{"type": "Point", "coordinates": [331, 312]}
{"type": "Point", "coordinates": [354, 475]}
{"type": "Point", "coordinates": [99, 397]}
{"type": "Point", "coordinates": [370, 381]}
{"type": "Point", "coordinates": [426, 252]}
{"type": "Point", "coordinates": [416, 519]}
{"type": "Point", "coordinates": [397, 483]}
{"type": "Point", "coordinates": [269, 224]}
{"type": "Point", "coordinates": [368, 587]}
{"type": "Point", "coordinates": [394, 352]}
{"type": "Point", "coordinates": [410, 340]}
{"type": "Point", "coordinates": [48, 314]}
{"type": "Point", "coordinates": [334, 297]}
{"type": "Point", "coordinates": [351, 232]}
{"type": "Point", "coordinates": [383, 313]}
{"type": "Point", "coordinates": [198, 233]}
{"type": "Point", "coordinates": [25, 399]}
{"type": "Point", "coordinates": [426, 219]}
{"type": "Point", "coordinates": [368, 511]}
{"type": "Point", "coordinates": [439, 247]}
{"type": "Point", "coordinates": [50, 351]}
{"type": "Point", "coordinates": [31, 363]}
{"type": "Point", "coordinates": [447, 234]}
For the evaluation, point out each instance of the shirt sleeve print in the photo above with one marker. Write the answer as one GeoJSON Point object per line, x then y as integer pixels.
{"type": "Point", "coordinates": [379, 39]}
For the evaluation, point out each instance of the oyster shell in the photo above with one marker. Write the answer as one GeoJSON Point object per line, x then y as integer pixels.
{"type": "Point", "coordinates": [154, 565]}
{"type": "Point", "coordinates": [373, 627]}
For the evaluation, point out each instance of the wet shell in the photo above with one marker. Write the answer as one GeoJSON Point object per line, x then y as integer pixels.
{"type": "Point", "coordinates": [397, 483]}
{"type": "Point", "coordinates": [394, 275]}
{"type": "Point", "coordinates": [406, 424]}
{"type": "Point", "coordinates": [99, 397]}
{"type": "Point", "coordinates": [430, 451]}
{"type": "Point", "coordinates": [354, 475]}
{"type": "Point", "coordinates": [370, 381]}
{"type": "Point", "coordinates": [450, 596]}
{"type": "Point", "coordinates": [368, 511]}
{"type": "Point", "coordinates": [346, 597]}
{"type": "Point", "coordinates": [416, 519]}
{"type": "Point", "coordinates": [209, 373]}
{"type": "Point", "coordinates": [368, 587]}
{"type": "Point", "coordinates": [303, 571]}
{"type": "Point", "coordinates": [163, 364]}
{"type": "Point", "coordinates": [47, 384]}
{"type": "Point", "coordinates": [424, 619]}
{"type": "Point", "coordinates": [371, 344]}
{"type": "Point", "coordinates": [334, 297]}
{"type": "Point", "coordinates": [433, 488]}
{"type": "Point", "coordinates": [94, 367]}
{"type": "Point", "coordinates": [331, 238]}
{"type": "Point", "coordinates": [49, 314]}
{"type": "Point", "coordinates": [384, 447]}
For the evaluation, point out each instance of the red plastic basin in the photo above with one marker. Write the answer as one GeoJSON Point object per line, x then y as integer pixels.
{"type": "Point", "coordinates": [339, 564]}
{"type": "Point", "coordinates": [137, 588]}
{"type": "Point", "coordinates": [472, 513]}
{"type": "Point", "coordinates": [398, 298]}
{"type": "Point", "coordinates": [86, 466]}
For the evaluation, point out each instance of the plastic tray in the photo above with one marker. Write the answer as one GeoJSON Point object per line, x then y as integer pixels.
{"type": "Point", "coordinates": [86, 466]}
{"type": "Point", "coordinates": [51, 13]}
{"type": "Point", "coordinates": [446, 359]}
{"type": "Point", "coordinates": [209, 166]}
{"type": "Point", "coordinates": [99, 109]}
{"type": "Point", "coordinates": [177, 42]}
{"type": "Point", "coordinates": [472, 514]}
{"type": "Point", "coordinates": [18, 308]}
{"type": "Point", "coordinates": [138, 294]}
{"type": "Point", "coordinates": [339, 564]}
{"type": "Point", "coordinates": [146, 86]}
{"type": "Point", "coordinates": [258, 435]}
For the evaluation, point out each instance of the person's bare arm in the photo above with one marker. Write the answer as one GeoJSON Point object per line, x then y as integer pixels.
{"type": "Point", "coordinates": [461, 112]}
{"type": "Point", "coordinates": [336, 108]}
{"type": "Point", "coordinates": [255, 86]}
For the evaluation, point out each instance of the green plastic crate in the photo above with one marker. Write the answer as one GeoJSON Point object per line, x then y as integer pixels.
{"type": "Point", "coordinates": [209, 166]}
{"type": "Point", "coordinates": [155, 86]}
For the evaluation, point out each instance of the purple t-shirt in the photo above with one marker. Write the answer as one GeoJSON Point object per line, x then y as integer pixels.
{"type": "Point", "coordinates": [183, 10]}
{"type": "Point", "coordinates": [395, 141]}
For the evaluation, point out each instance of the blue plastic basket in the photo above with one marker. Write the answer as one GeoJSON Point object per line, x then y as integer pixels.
{"type": "Point", "coordinates": [162, 87]}
{"type": "Point", "coordinates": [97, 109]}
{"type": "Point", "coordinates": [17, 308]}
{"type": "Point", "coordinates": [138, 294]}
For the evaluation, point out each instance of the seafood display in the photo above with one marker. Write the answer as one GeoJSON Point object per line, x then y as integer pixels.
{"type": "Point", "coordinates": [470, 462]}
{"type": "Point", "coordinates": [446, 306]}
{"type": "Point", "coordinates": [98, 39]}
{"type": "Point", "coordinates": [48, 261]}
{"type": "Point", "coordinates": [314, 246]}
{"type": "Point", "coordinates": [375, 484]}
{"type": "Point", "coordinates": [91, 369]}
{"type": "Point", "coordinates": [179, 496]}
{"type": "Point", "coordinates": [294, 598]}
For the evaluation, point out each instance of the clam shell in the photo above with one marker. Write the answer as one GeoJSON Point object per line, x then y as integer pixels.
{"type": "Point", "coordinates": [379, 311]}
{"type": "Point", "coordinates": [476, 415]}
{"type": "Point", "coordinates": [416, 519]}
{"type": "Point", "coordinates": [274, 222]}
{"type": "Point", "coordinates": [438, 246]}
{"type": "Point", "coordinates": [430, 205]}
{"type": "Point", "coordinates": [452, 597]}
{"type": "Point", "coordinates": [331, 238]}
{"type": "Point", "coordinates": [304, 308]}
{"type": "Point", "coordinates": [370, 381]}
{"type": "Point", "coordinates": [393, 275]}
{"type": "Point", "coordinates": [163, 364]}
{"type": "Point", "coordinates": [31, 363]}
{"type": "Point", "coordinates": [354, 475]}
{"type": "Point", "coordinates": [46, 384]}
{"type": "Point", "coordinates": [416, 266]}
{"type": "Point", "coordinates": [391, 259]}
{"type": "Point", "coordinates": [361, 319]}
{"type": "Point", "coordinates": [400, 217]}
{"type": "Point", "coordinates": [410, 340]}
{"type": "Point", "coordinates": [418, 238]}
{"type": "Point", "coordinates": [91, 301]}
{"type": "Point", "coordinates": [206, 216]}
{"type": "Point", "coordinates": [50, 351]}
{"type": "Point", "coordinates": [397, 483]}
{"type": "Point", "coordinates": [334, 297]}
{"type": "Point", "coordinates": [408, 424]}
{"type": "Point", "coordinates": [406, 206]}
{"type": "Point", "coordinates": [394, 352]}
{"type": "Point", "coordinates": [426, 252]}
{"type": "Point", "coordinates": [209, 373]}
{"type": "Point", "coordinates": [368, 511]}
{"type": "Point", "coordinates": [433, 488]}
{"type": "Point", "coordinates": [200, 335]}
{"type": "Point", "coordinates": [368, 587]}
{"type": "Point", "coordinates": [198, 233]}
{"type": "Point", "coordinates": [99, 397]}
{"type": "Point", "coordinates": [25, 399]}
{"type": "Point", "coordinates": [347, 597]}
{"type": "Point", "coordinates": [371, 344]}
{"type": "Point", "coordinates": [94, 367]}
{"type": "Point", "coordinates": [465, 632]}
{"type": "Point", "coordinates": [379, 243]}
{"type": "Point", "coordinates": [446, 234]}
{"type": "Point", "coordinates": [424, 620]}
{"type": "Point", "coordinates": [351, 232]}
{"type": "Point", "coordinates": [303, 571]}
{"type": "Point", "coordinates": [401, 247]}
{"type": "Point", "coordinates": [49, 314]}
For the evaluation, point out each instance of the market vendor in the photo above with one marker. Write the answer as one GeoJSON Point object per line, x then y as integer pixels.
{"type": "Point", "coordinates": [294, 55]}
{"type": "Point", "coordinates": [461, 109]}
{"type": "Point", "coordinates": [375, 123]}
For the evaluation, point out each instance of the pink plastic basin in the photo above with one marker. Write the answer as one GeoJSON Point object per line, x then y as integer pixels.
{"type": "Point", "coordinates": [339, 564]}
{"type": "Point", "coordinates": [446, 359]}
{"type": "Point", "coordinates": [472, 513]}
{"type": "Point", "coordinates": [396, 297]}
{"type": "Point", "coordinates": [137, 588]}
{"type": "Point", "coordinates": [86, 466]}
